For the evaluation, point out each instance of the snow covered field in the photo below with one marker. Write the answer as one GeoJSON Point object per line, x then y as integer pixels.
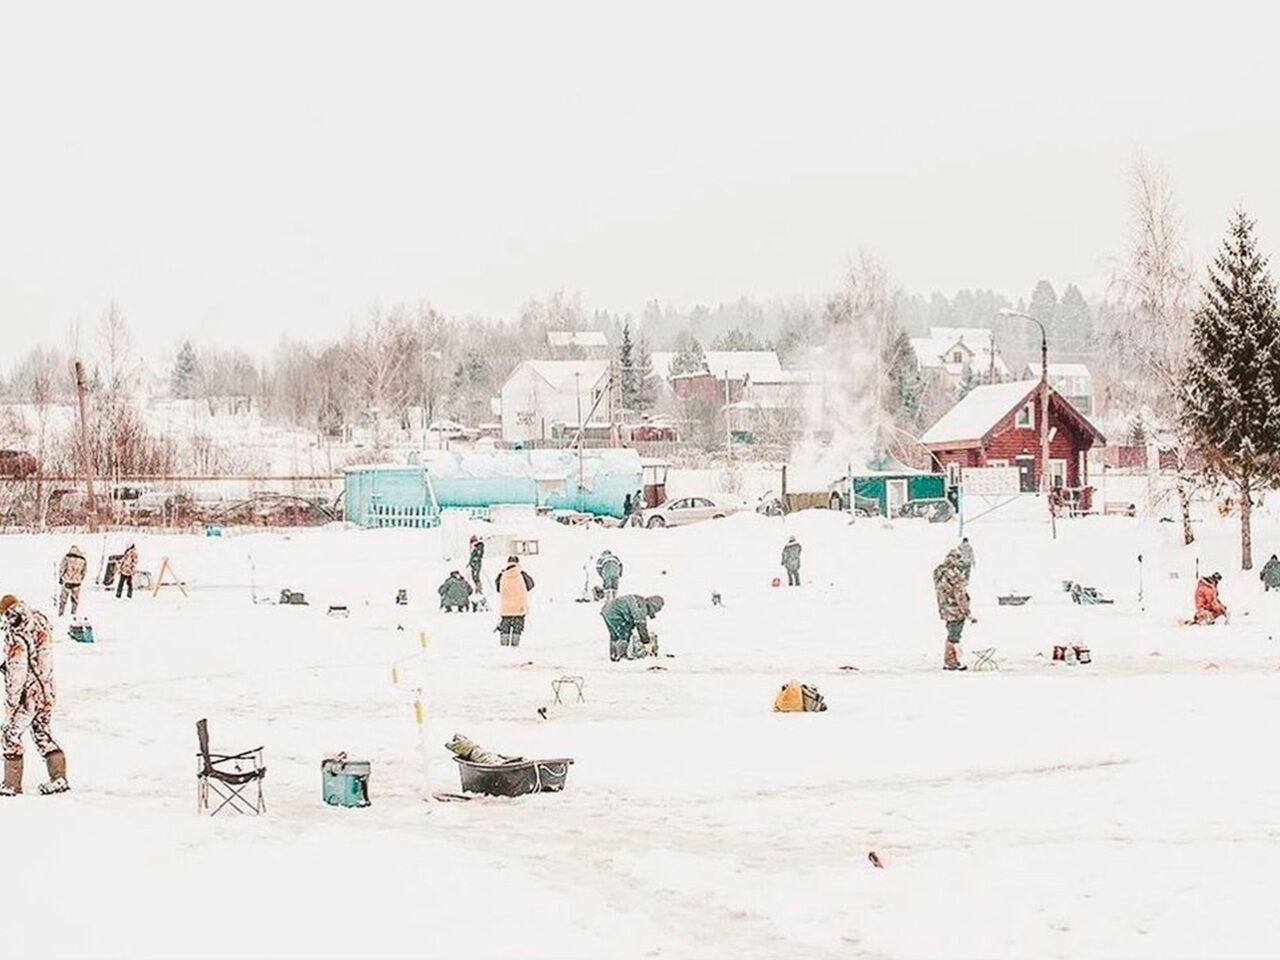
{"type": "Point", "coordinates": [1120, 809]}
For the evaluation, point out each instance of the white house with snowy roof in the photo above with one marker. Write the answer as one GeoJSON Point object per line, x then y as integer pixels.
{"type": "Point", "coordinates": [542, 395]}
{"type": "Point", "coordinates": [954, 353]}
{"type": "Point", "coordinates": [1072, 380]}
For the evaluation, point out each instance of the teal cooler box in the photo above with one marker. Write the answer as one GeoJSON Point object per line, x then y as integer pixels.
{"type": "Point", "coordinates": [81, 632]}
{"type": "Point", "coordinates": [345, 782]}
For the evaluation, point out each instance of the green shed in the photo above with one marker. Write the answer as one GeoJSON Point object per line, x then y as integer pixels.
{"type": "Point", "coordinates": [889, 487]}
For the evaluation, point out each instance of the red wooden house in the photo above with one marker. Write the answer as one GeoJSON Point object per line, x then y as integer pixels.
{"type": "Point", "coordinates": [999, 426]}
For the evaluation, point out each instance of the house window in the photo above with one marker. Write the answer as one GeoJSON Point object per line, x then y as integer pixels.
{"type": "Point", "coordinates": [997, 463]}
{"type": "Point", "coordinates": [957, 357]}
{"type": "Point", "coordinates": [1026, 418]}
{"type": "Point", "coordinates": [1058, 474]}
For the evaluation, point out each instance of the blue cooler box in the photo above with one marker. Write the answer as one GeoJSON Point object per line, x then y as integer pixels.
{"type": "Point", "coordinates": [81, 632]}
{"type": "Point", "coordinates": [345, 782]}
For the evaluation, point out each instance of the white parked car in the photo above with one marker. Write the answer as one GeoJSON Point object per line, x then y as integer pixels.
{"type": "Point", "coordinates": [675, 513]}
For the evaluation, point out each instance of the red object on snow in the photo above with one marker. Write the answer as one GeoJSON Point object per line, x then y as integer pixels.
{"type": "Point", "coordinates": [777, 582]}
{"type": "Point", "coordinates": [875, 860]}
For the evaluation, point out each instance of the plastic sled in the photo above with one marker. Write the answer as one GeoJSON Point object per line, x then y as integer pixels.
{"type": "Point", "coordinates": [515, 778]}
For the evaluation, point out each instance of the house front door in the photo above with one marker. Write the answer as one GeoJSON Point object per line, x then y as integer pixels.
{"type": "Point", "coordinates": [896, 494]}
{"type": "Point", "coordinates": [1026, 472]}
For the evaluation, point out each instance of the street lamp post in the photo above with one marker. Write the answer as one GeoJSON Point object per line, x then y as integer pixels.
{"type": "Point", "coordinates": [1044, 395]}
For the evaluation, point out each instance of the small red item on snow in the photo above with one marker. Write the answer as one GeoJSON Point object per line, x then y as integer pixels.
{"type": "Point", "coordinates": [875, 860]}
{"type": "Point", "coordinates": [777, 582]}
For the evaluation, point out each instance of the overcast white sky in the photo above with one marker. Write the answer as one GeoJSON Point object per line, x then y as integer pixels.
{"type": "Point", "coordinates": [255, 169]}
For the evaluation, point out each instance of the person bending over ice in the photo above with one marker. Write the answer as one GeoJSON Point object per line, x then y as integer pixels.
{"type": "Point", "coordinates": [455, 593]}
{"type": "Point", "coordinates": [1210, 609]}
{"type": "Point", "coordinates": [627, 615]}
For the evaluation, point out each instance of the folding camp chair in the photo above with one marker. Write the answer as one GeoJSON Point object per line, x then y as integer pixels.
{"type": "Point", "coordinates": [230, 776]}
{"type": "Point", "coordinates": [985, 659]}
{"type": "Point", "coordinates": [575, 682]}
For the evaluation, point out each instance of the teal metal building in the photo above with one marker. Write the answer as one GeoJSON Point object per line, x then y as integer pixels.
{"type": "Point", "coordinates": [893, 485]}
{"type": "Point", "coordinates": [413, 495]}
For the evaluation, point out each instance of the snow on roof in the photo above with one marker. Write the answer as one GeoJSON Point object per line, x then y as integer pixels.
{"type": "Point", "coordinates": [740, 364]}
{"type": "Point", "coordinates": [973, 337]}
{"type": "Point", "coordinates": [934, 350]}
{"type": "Point", "coordinates": [1060, 370]}
{"type": "Point", "coordinates": [577, 338]}
{"type": "Point", "coordinates": [929, 351]}
{"type": "Point", "coordinates": [564, 374]}
{"type": "Point", "coordinates": [980, 410]}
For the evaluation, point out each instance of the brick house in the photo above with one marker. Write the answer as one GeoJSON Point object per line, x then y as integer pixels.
{"type": "Point", "coordinates": [999, 426]}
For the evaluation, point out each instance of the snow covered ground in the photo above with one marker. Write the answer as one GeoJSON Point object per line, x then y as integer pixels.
{"type": "Point", "coordinates": [1120, 809]}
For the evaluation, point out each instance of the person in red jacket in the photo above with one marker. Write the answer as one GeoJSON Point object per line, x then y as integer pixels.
{"type": "Point", "coordinates": [1209, 609]}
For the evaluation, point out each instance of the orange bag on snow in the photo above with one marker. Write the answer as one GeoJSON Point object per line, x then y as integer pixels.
{"type": "Point", "coordinates": [796, 697]}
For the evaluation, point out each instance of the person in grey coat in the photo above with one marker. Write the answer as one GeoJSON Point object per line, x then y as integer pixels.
{"type": "Point", "coordinates": [625, 616]}
{"type": "Point", "coordinates": [609, 568]}
{"type": "Point", "coordinates": [455, 594]}
{"type": "Point", "coordinates": [791, 560]}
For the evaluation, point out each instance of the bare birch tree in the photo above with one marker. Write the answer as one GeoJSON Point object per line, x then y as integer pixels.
{"type": "Point", "coordinates": [1150, 319]}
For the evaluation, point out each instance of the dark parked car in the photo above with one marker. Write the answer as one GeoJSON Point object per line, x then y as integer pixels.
{"type": "Point", "coordinates": [17, 464]}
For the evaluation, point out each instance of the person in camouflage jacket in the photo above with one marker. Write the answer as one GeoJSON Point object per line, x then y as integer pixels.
{"type": "Point", "coordinates": [951, 583]}
{"type": "Point", "coordinates": [626, 615]}
{"type": "Point", "coordinates": [29, 695]}
{"type": "Point", "coordinates": [71, 573]}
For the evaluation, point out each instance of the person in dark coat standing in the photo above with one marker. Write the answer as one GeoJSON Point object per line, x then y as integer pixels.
{"type": "Point", "coordinates": [475, 561]}
{"type": "Point", "coordinates": [513, 586]}
{"type": "Point", "coordinates": [609, 568]}
{"type": "Point", "coordinates": [791, 560]}
{"type": "Point", "coordinates": [1270, 575]}
{"type": "Point", "coordinates": [455, 594]}
{"type": "Point", "coordinates": [627, 615]}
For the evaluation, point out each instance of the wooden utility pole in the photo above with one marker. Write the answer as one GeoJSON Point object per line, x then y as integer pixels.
{"type": "Point", "coordinates": [86, 456]}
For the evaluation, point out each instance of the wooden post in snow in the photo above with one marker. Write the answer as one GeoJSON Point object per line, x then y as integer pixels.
{"type": "Point", "coordinates": [85, 453]}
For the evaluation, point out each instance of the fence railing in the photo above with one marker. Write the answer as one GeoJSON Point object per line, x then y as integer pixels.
{"type": "Point", "coordinates": [386, 515]}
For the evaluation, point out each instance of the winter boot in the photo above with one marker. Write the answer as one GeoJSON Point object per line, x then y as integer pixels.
{"type": "Point", "coordinates": [12, 785]}
{"type": "Point", "coordinates": [515, 638]}
{"type": "Point", "coordinates": [504, 637]}
{"type": "Point", "coordinates": [56, 761]}
{"type": "Point", "coordinates": [954, 666]}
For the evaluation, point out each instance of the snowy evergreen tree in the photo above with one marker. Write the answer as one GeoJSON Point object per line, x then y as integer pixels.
{"type": "Point", "coordinates": [629, 387]}
{"type": "Point", "coordinates": [738, 339]}
{"type": "Point", "coordinates": [689, 357]}
{"type": "Point", "coordinates": [1231, 388]}
{"type": "Point", "coordinates": [907, 384]}
{"type": "Point", "coordinates": [182, 381]}
{"type": "Point", "coordinates": [1044, 307]}
{"type": "Point", "coordinates": [1074, 324]}
{"type": "Point", "coordinates": [646, 378]}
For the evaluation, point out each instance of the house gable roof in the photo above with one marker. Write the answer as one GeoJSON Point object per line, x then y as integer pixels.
{"type": "Point", "coordinates": [983, 409]}
{"type": "Point", "coordinates": [562, 374]}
